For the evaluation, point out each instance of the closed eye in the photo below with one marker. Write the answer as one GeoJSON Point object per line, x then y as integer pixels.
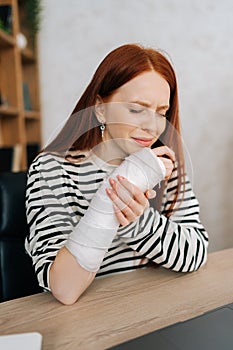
{"type": "Point", "coordinates": [133, 110]}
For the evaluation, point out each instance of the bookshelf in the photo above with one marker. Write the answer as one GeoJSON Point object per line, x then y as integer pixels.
{"type": "Point", "coordinates": [20, 119]}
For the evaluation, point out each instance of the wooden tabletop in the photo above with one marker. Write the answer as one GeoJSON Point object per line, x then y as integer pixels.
{"type": "Point", "coordinates": [121, 307]}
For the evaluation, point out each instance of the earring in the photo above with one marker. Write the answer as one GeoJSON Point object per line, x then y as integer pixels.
{"type": "Point", "coordinates": [102, 128]}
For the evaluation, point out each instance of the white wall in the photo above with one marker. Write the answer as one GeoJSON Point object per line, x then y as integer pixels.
{"type": "Point", "coordinates": [197, 35]}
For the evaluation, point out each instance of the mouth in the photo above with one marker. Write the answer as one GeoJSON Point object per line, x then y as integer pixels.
{"type": "Point", "coordinates": [143, 142]}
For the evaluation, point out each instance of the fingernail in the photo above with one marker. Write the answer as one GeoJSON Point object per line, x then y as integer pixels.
{"type": "Point", "coordinates": [112, 181]}
{"type": "Point", "coordinates": [109, 191]}
{"type": "Point", "coordinates": [121, 177]}
{"type": "Point", "coordinates": [151, 194]}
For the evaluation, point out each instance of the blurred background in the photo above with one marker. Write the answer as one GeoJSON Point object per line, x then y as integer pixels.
{"type": "Point", "coordinates": [75, 35]}
{"type": "Point", "coordinates": [197, 36]}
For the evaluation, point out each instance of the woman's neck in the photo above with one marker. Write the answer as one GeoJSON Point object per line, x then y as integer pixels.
{"type": "Point", "coordinates": [109, 153]}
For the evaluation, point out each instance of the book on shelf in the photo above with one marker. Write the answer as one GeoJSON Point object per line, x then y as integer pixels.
{"type": "Point", "coordinates": [3, 101]}
{"type": "Point", "coordinates": [26, 98]}
{"type": "Point", "coordinates": [16, 165]}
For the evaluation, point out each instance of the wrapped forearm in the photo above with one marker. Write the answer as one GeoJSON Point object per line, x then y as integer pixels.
{"type": "Point", "coordinates": [95, 231]}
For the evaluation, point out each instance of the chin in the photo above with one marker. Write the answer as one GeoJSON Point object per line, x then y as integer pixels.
{"type": "Point", "coordinates": [132, 147]}
{"type": "Point", "coordinates": [125, 147]}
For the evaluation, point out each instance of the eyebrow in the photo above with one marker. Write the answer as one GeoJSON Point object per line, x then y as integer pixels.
{"type": "Point", "coordinates": [148, 105]}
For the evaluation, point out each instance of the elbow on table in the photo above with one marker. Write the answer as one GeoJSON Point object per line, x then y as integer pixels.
{"type": "Point", "coordinates": [196, 265]}
{"type": "Point", "coordinates": [191, 264]}
{"type": "Point", "coordinates": [66, 298]}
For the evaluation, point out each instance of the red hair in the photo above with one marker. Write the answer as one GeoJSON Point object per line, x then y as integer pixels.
{"type": "Point", "coordinates": [81, 131]}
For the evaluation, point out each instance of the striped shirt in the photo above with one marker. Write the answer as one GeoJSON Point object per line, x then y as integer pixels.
{"type": "Point", "coordinates": [59, 193]}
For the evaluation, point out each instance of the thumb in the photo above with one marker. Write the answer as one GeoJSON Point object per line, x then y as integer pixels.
{"type": "Point", "coordinates": [150, 194]}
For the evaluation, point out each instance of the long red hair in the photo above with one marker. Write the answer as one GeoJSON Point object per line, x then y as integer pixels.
{"type": "Point", "coordinates": [81, 131]}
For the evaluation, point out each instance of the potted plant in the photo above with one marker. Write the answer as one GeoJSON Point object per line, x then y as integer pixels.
{"type": "Point", "coordinates": [32, 18]}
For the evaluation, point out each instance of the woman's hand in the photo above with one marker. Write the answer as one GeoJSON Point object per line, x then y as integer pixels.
{"type": "Point", "coordinates": [167, 156]}
{"type": "Point", "coordinates": [128, 200]}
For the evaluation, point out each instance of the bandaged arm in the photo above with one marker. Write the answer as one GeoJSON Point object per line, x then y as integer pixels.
{"type": "Point", "coordinates": [93, 235]}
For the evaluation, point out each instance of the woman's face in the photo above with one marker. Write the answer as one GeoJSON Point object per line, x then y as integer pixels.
{"type": "Point", "coordinates": [135, 114]}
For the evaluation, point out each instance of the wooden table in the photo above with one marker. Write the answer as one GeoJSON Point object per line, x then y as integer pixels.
{"type": "Point", "coordinates": [121, 307]}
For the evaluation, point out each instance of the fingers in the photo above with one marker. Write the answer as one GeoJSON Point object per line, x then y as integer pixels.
{"type": "Point", "coordinates": [123, 220]}
{"type": "Point", "coordinates": [169, 166]}
{"type": "Point", "coordinates": [129, 201]}
{"type": "Point", "coordinates": [150, 194]}
{"type": "Point", "coordinates": [124, 213]}
{"type": "Point", "coordinates": [164, 151]}
{"type": "Point", "coordinates": [128, 198]}
{"type": "Point", "coordinates": [167, 156]}
{"type": "Point", "coordinates": [136, 193]}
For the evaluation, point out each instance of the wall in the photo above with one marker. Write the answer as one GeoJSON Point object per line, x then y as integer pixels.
{"type": "Point", "coordinates": [76, 35]}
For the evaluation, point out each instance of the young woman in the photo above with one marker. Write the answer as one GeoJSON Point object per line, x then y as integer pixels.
{"type": "Point", "coordinates": [91, 204]}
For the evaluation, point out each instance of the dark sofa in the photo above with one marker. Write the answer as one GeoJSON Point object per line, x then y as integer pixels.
{"type": "Point", "coordinates": [17, 276]}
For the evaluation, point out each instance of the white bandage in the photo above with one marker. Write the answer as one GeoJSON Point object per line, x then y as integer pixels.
{"type": "Point", "coordinates": [95, 231]}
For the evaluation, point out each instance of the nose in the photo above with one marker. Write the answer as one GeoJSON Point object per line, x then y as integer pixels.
{"type": "Point", "coordinates": [152, 123]}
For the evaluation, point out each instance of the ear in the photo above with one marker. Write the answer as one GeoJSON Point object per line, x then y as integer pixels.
{"type": "Point", "coordinates": [99, 109]}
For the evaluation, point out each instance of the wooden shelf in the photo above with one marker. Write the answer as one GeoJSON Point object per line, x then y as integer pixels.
{"type": "Point", "coordinates": [6, 40]}
{"type": "Point", "coordinates": [32, 115]}
{"type": "Point", "coordinates": [19, 87]}
{"type": "Point", "coordinates": [8, 111]}
{"type": "Point", "coordinates": [28, 56]}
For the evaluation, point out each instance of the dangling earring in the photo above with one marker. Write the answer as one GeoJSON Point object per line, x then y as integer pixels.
{"type": "Point", "coordinates": [102, 128]}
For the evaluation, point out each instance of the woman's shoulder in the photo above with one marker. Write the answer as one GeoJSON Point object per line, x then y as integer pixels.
{"type": "Point", "coordinates": [46, 157]}
{"type": "Point", "coordinates": [49, 161]}
{"type": "Point", "coordinates": [46, 160]}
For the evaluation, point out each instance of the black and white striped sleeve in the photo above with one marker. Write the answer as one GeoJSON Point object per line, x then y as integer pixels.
{"type": "Point", "coordinates": [178, 242]}
{"type": "Point", "coordinates": [51, 213]}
